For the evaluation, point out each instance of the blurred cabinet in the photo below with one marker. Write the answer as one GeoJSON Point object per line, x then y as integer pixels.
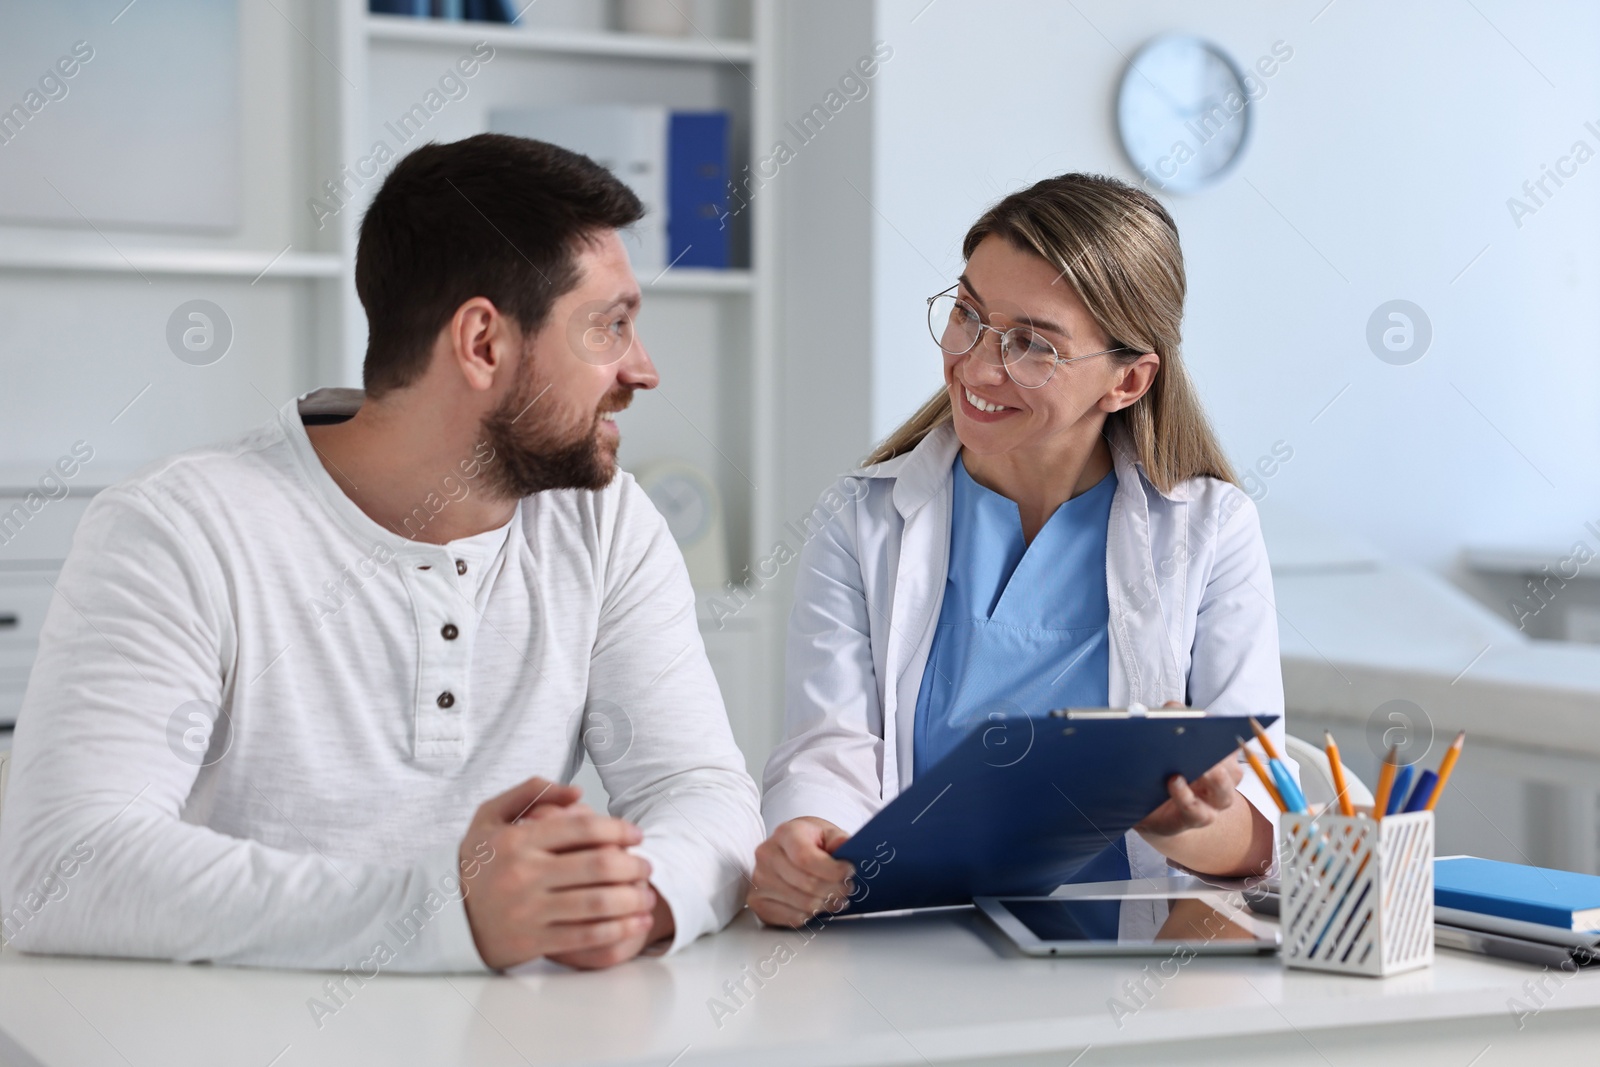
{"type": "Point", "coordinates": [24, 596]}
{"type": "Point", "coordinates": [321, 85]}
{"type": "Point", "coordinates": [35, 533]}
{"type": "Point", "coordinates": [1550, 593]}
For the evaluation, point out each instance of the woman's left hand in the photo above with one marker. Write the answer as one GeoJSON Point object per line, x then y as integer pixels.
{"type": "Point", "coordinates": [1207, 827]}
{"type": "Point", "coordinates": [1192, 805]}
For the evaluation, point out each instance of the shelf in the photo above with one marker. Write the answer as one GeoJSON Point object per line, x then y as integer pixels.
{"type": "Point", "coordinates": [698, 49]}
{"type": "Point", "coordinates": [690, 280]}
{"type": "Point", "coordinates": [239, 263]}
{"type": "Point", "coordinates": [252, 264]}
{"type": "Point", "coordinates": [1515, 560]}
{"type": "Point", "coordinates": [21, 478]}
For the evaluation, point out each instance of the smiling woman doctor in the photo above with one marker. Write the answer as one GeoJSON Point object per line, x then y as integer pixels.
{"type": "Point", "coordinates": [1056, 527]}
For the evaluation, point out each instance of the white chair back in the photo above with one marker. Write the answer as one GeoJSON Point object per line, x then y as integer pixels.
{"type": "Point", "coordinates": [1316, 776]}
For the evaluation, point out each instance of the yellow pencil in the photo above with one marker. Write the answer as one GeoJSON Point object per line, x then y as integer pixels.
{"type": "Point", "coordinates": [1391, 764]}
{"type": "Point", "coordinates": [1261, 773]}
{"type": "Point", "coordinates": [1266, 742]}
{"type": "Point", "coordinates": [1447, 765]}
{"type": "Point", "coordinates": [1337, 768]}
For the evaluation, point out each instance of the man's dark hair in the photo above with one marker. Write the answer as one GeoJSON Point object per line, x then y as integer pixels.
{"type": "Point", "coordinates": [492, 216]}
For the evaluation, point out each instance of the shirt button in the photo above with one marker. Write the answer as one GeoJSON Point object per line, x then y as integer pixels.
{"type": "Point", "coordinates": [446, 699]}
{"type": "Point", "coordinates": [461, 566]}
{"type": "Point", "coordinates": [450, 633]}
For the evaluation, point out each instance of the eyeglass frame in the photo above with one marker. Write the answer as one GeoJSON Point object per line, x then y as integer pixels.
{"type": "Point", "coordinates": [1003, 334]}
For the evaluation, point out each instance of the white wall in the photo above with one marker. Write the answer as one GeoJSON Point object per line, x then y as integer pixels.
{"type": "Point", "coordinates": [1380, 164]}
{"type": "Point", "coordinates": [825, 362]}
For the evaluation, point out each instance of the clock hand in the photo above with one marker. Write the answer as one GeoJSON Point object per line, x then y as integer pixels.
{"type": "Point", "coordinates": [1205, 106]}
{"type": "Point", "coordinates": [1161, 91]}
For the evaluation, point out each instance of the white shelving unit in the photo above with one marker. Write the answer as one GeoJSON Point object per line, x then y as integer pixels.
{"type": "Point", "coordinates": [85, 307]}
{"type": "Point", "coordinates": [559, 41]}
{"type": "Point", "coordinates": [690, 280]}
{"type": "Point", "coordinates": [193, 262]}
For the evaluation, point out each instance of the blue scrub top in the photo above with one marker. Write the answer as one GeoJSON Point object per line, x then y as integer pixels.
{"type": "Point", "coordinates": [1022, 629]}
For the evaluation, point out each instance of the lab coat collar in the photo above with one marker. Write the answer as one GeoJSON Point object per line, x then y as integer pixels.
{"type": "Point", "coordinates": [923, 471]}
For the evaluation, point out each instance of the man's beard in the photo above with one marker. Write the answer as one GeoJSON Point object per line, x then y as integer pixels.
{"type": "Point", "coordinates": [532, 455]}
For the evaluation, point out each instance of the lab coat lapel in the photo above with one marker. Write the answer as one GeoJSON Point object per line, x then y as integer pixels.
{"type": "Point", "coordinates": [922, 498]}
{"type": "Point", "coordinates": [1143, 665]}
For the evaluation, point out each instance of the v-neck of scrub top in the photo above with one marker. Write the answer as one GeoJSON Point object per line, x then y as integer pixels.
{"type": "Point", "coordinates": [1023, 626]}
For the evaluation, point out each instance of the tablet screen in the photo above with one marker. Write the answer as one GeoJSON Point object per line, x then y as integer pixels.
{"type": "Point", "coordinates": [1203, 922]}
{"type": "Point", "coordinates": [1067, 920]}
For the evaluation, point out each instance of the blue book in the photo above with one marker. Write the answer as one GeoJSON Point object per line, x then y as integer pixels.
{"type": "Point", "coordinates": [697, 189]}
{"type": "Point", "coordinates": [1563, 899]}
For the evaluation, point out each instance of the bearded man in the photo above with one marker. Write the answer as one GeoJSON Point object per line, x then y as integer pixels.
{"type": "Point", "coordinates": [281, 674]}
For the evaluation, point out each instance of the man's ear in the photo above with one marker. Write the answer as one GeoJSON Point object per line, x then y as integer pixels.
{"type": "Point", "coordinates": [480, 341]}
{"type": "Point", "coordinates": [1133, 380]}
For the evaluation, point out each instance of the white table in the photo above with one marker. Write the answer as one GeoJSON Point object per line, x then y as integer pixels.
{"type": "Point", "coordinates": [934, 988]}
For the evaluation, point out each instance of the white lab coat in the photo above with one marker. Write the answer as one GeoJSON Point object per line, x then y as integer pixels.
{"type": "Point", "coordinates": [1191, 619]}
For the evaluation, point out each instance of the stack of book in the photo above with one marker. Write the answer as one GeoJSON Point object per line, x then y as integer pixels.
{"type": "Point", "coordinates": [468, 10]}
{"type": "Point", "coordinates": [676, 162]}
{"type": "Point", "coordinates": [1516, 911]}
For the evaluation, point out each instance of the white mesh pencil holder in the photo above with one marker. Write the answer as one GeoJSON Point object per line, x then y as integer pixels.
{"type": "Point", "coordinates": [1357, 895]}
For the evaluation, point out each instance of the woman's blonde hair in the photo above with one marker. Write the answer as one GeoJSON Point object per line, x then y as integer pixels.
{"type": "Point", "coordinates": [1118, 249]}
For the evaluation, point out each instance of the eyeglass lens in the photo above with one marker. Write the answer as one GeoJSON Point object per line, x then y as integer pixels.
{"type": "Point", "coordinates": [957, 326]}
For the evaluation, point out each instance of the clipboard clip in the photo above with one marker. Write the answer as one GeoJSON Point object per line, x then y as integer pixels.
{"type": "Point", "coordinates": [1132, 711]}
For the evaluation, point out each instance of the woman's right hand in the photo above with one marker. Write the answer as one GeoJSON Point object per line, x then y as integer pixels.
{"type": "Point", "coordinates": [796, 876]}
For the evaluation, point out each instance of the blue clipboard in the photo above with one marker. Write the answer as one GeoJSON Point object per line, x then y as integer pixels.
{"type": "Point", "coordinates": [1025, 803]}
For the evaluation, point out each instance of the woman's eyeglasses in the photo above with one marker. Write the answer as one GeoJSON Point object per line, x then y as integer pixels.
{"type": "Point", "coordinates": [1028, 357]}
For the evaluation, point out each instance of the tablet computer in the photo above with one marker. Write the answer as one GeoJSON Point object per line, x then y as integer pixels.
{"type": "Point", "coordinates": [1191, 924]}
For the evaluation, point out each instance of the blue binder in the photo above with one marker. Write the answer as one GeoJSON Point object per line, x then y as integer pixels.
{"type": "Point", "coordinates": [697, 189]}
{"type": "Point", "coordinates": [417, 8]}
{"type": "Point", "coordinates": [1024, 805]}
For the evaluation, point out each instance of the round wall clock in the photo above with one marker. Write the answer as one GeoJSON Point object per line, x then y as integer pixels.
{"type": "Point", "coordinates": [1183, 112]}
{"type": "Point", "coordinates": [690, 503]}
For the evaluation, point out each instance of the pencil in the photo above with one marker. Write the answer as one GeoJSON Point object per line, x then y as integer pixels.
{"type": "Point", "coordinates": [1266, 742]}
{"type": "Point", "coordinates": [1337, 768]}
{"type": "Point", "coordinates": [1261, 773]}
{"type": "Point", "coordinates": [1380, 799]}
{"type": "Point", "coordinates": [1447, 765]}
